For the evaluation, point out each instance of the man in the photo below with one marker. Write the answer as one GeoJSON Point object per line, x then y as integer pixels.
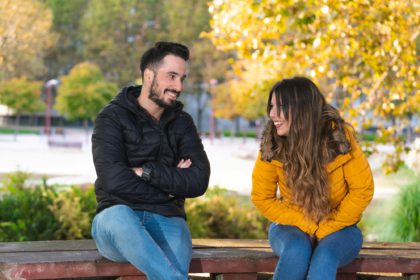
{"type": "Point", "coordinates": [148, 159]}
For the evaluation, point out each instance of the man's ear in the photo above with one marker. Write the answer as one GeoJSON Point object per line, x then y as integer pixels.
{"type": "Point", "coordinates": [148, 76]}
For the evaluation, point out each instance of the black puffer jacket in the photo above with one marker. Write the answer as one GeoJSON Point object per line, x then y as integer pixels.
{"type": "Point", "coordinates": [126, 136]}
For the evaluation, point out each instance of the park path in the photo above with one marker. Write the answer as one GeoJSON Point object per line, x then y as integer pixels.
{"type": "Point", "coordinates": [231, 159]}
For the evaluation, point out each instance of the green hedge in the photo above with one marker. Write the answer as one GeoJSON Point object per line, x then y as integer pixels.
{"type": "Point", "coordinates": [247, 134]}
{"type": "Point", "coordinates": [405, 218]}
{"type": "Point", "coordinates": [395, 219]}
{"type": "Point", "coordinates": [223, 214]}
{"type": "Point", "coordinates": [42, 212]}
{"type": "Point", "coordinates": [20, 131]}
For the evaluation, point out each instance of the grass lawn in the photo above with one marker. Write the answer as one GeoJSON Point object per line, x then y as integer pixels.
{"type": "Point", "coordinates": [4, 130]}
{"type": "Point", "coordinates": [376, 222]}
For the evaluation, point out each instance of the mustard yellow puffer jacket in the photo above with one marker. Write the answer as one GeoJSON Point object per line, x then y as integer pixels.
{"type": "Point", "coordinates": [351, 184]}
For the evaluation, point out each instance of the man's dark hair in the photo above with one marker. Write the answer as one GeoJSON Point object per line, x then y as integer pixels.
{"type": "Point", "coordinates": [153, 56]}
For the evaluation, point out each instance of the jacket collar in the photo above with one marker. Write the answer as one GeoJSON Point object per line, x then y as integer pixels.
{"type": "Point", "coordinates": [127, 98]}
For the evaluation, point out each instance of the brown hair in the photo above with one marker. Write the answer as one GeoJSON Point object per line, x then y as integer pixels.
{"type": "Point", "coordinates": [316, 137]}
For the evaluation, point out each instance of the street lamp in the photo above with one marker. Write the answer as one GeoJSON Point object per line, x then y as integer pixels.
{"type": "Point", "coordinates": [49, 85]}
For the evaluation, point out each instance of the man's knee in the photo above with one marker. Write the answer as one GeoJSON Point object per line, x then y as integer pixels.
{"type": "Point", "coordinates": [116, 217]}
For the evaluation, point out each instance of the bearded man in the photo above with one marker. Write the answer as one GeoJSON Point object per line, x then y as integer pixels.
{"type": "Point", "coordinates": [148, 158]}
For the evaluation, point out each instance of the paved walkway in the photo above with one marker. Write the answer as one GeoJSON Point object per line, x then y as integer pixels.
{"type": "Point", "coordinates": [231, 160]}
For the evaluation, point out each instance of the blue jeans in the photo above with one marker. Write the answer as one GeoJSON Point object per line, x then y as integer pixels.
{"type": "Point", "coordinates": [298, 260]}
{"type": "Point", "coordinates": [158, 246]}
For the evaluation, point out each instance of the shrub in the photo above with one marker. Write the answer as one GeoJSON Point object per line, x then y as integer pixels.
{"type": "Point", "coordinates": [24, 213]}
{"type": "Point", "coordinates": [73, 213]}
{"type": "Point", "coordinates": [244, 134]}
{"type": "Point", "coordinates": [405, 219]}
{"type": "Point", "coordinates": [42, 212]}
{"type": "Point", "coordinates": [223, 214]}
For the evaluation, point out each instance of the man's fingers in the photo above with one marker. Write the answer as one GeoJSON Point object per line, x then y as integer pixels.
{"type": "Point", "coordinates": [180, 163]}
{"type": "Point", "coordinates": [184, 163]}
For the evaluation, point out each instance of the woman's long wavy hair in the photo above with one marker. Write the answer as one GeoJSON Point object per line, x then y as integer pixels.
{"type": "Point", "coordinates": [316, 137]}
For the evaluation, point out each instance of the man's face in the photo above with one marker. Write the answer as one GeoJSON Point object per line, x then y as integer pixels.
{"type": "Point", "coordinates": [168, 81]}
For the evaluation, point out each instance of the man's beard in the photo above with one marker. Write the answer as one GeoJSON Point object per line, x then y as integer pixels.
{"type": "Point", "coordinates": [154, 96]}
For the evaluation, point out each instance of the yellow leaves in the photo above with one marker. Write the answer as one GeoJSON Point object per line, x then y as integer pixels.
{"type": "Point", "coordinates": [363, 50]}
{"type": "Point", "coordinates": [68, 210]}
{"type": "Point", "coordinates": [24, 36]}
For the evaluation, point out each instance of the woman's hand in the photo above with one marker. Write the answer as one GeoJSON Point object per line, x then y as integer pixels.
{"type": "Point", "coordinates": [314, 240]}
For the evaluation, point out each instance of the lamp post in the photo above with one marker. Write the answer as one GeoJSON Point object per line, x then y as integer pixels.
{"type": "Point", "coordinates": [49, 85]}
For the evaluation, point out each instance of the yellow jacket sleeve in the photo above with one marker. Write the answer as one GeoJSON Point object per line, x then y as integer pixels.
{"type": "Point", "coordinates": [264, 197]}
{"type": "Point", "coordinates": [359, 180]}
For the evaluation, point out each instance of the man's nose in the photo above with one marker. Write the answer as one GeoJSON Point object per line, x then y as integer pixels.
{"type": "Point", "coordinates": [179, 86]}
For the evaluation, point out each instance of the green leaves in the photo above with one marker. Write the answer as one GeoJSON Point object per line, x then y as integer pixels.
{"type": "Point", "coordinates": [42, 212]}
{"type": "Point", "coordinates": [220, 214]}
{"type": "Point", "coordinates": [22, 95]}
{"type": "Point", "coordinates": [83, 92]}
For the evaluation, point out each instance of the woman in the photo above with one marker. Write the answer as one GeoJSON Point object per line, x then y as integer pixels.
{"type": "Point", "coordinates": [310, 155]}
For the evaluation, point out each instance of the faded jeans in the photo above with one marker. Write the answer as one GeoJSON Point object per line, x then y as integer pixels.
{"type": "Point", "coordinates": [298, 260]}
{"type": "Point", "coordinates": [158, 246]}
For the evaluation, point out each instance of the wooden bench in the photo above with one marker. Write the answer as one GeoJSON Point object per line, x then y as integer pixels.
{"type": "Point", "coordinates": [224, 259]}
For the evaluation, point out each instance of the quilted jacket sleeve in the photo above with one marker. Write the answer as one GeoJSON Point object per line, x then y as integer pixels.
{"type": "Point", "coordinates": [184, 182]}
{"type": "Point", "coordinates": [109, 155]}
{"type": "Point", "coordinates": [264, 189]}
{"type": "Point", "coordinates": [359, 180]}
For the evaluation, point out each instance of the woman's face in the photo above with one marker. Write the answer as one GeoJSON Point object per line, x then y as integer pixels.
{"type": "Point", "coordinates": [281, 124]}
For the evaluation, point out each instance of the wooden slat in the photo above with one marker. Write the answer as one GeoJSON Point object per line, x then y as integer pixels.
{"type": "Point", "coordinates": [392, 245]}
{"type": "Point", "coordinates": [391, 253]}
{"type": "Point", "coordinates": [69, 256]}
{"type": "Point", "coordinates": [231, 243]}
{"type": "Point", "coordinates": [371, 264]}
{"type": "Point", "coordinates": [47, 246]}
{"type": "Point", "coordinates": [69, 259]}
{"type": "Point", "coordinates": [240, 262]}
{"type": "Point", "coordinates": [87, 245]}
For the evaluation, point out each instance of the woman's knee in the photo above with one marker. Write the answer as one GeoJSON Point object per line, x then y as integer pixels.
{"type": "Point", "coordinates": [290, 241]}
{"type": "Point", "coordinates": [340, 247]}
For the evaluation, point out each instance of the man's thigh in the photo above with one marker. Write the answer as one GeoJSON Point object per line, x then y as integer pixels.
{"type": "Point", "coordinates": [173, 236]}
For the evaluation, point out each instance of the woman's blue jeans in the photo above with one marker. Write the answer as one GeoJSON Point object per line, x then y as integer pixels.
{"type": "Point", "coordinates": [298, 260]}
{"type": "Point", "coordinates": [158, 246]}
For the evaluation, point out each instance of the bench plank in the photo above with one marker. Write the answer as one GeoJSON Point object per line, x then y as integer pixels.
{"type": "Point", "coordinates": [75, 245]}
{"type": "Point", "coordinates": [223, 257]}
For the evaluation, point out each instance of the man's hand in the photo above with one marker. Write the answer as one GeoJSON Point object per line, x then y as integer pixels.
{"type": "Point", "coordinates": [184, 163]}
{"type": "Point", "coordinates": [137, 170]}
